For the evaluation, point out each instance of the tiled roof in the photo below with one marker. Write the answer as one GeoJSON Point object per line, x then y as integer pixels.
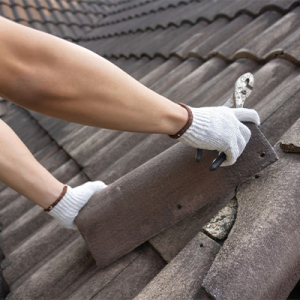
{"type": "Point", "coordinates": [188, 51]}
{"type": "Point", "coordinates": [68, 19]}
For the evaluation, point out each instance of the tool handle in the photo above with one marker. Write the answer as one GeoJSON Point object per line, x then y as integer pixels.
{"type": "Point", "coordinates": [217, 162]}
{"type": "Point", "coordinates": [198, 154]}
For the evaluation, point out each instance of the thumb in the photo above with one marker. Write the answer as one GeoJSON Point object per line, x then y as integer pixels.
{"type": "Point", "coordinates": [247, 115]}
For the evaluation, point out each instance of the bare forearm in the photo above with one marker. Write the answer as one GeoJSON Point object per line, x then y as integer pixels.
{"type": "Point", "coordinates": [72, 83]}
{"type": "Point", "coordinates": [21, 171]}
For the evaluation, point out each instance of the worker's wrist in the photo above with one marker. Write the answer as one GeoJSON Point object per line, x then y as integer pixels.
{"type": "Point", "coordinates": [177, 118]}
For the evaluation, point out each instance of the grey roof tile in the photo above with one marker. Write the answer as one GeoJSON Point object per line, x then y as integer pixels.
{"type": "Point", "coordinates": [103, 158]}
{"type": "Point", "coordinates": [283, 117]}
{"type": "Point", "coordinates": [33, 14]}
{"type": "Point", "coordinates": [90, 144]}
{"type": "Point", "coordinates": [215, 91]}
{"type": "Point", "coordinates": [53, 5]}
{"type": "Point", "coordinates": [184, 49]}
{"type": "Point", "coordinates": [266, 220]}
{"type": "Point", "coordinates": [181, 277]}
{"type": "Point", "coordinates": [7, 195]}
{"type": "Point", "coordinates": [102, 277]}
{"type": "Point", "coordinates": [134, 278]}
{"type": "Point", "coordinates": [268, 79]}
{"type": "Point", "coordinates": [195, 79]}
{"type": "Point", "coordinates": [56, 274]}
{"type": "Point", "coordinates": [231, 28]}
{"type": "Point", "coordinates": [291, 142]}
{"type": "Point", "coordinates": [129, 226]}
{"type": "Point", "coordinates": [172, 240]}
{"type": "Point", "coordinates": [34, 250]}
{"type": "Point", "coordinates": [67, 31]}
{"type": "Point", "coordinates": [54, 29]}
{"type": "Point", "coordinates": [146, 68]}
{"type": "Point", "coordinates": [47, 16]}
{"type": "Point", "coordinates": [14, 210]}
{"type": "Point", "coordinates": [6, 11]}
{"type": "Point", "coordinates": [35, 217]}
{"type": "Point", "coordinates": [283, 89]}
{"type": "Point", "coordinates": [289, 47]}
{"type": "Point", "coordinates": [160, 71]}
{"type": "Point", "coordinates": [20, 14]}
{"type": "Point", "coordinates": [261, 47]}
{"type": "Point", "coordinates": [246, 34]}
{"type": "Point", "coordinates": [166, 82]}
{"type": "Point", "coordinates": [29, 3]}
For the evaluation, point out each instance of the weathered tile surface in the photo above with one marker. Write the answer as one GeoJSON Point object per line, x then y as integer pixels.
{"type": "Point", "coordinates": [262, 248]}
{"type": "Point", "coordinates": [181, 277]}
{"type": "Point", "coordinates": [155, 42]}
{"type": "Point", "coordinates": [121, 217]}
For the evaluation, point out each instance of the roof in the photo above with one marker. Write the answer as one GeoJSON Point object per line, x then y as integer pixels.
{"type": "Point", "coordinates": [188, 51]}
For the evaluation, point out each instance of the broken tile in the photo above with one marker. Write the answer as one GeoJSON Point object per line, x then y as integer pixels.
{"type": "Point", "coordinates": [262, 249]}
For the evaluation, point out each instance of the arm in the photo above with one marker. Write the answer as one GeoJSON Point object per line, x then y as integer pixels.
{"type": "Point", "coordinates": [50, 75]}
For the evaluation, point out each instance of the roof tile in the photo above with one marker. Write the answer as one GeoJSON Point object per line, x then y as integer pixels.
{"type": "Point", "coordinates": [172, 240]}
{"type": "Point", "coordinates": [246, 34]}
{"type": "Point", "coordinates": [34, 15]}
{"type": "Point", "coordinates": [20, 14]}
{"type": "Point", "coordinates": [6, 11]}
{"type": "Point", "coordinates": [163, 170]}
{"type": "Point", "coordinates": [47, 16]}
{"type": "Point", "coordinates": [262, 45]}
{"type": "Point", "coordinates": [266, 221]}
{"type": "Point", "coordinates": [291, 142]}
{"type": "Point", "coordinates": [181, 278]}
{"type": "Point", "coordinates": [42, 4]}
{"type": "Point", "coordinates": [35, 249]}
{"type": "Point", "coordinates": [220, 36]}
{"type": "Point", "coordinates": [184, 49]}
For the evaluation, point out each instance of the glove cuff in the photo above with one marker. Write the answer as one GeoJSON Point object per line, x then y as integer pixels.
{"type": "Point", "coordinates": [187, 125]}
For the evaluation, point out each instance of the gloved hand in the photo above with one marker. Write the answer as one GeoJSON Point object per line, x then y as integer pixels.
{"type": "Point", "coordinates": [219, 128]}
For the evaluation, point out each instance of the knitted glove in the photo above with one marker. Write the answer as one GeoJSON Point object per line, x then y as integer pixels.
{"type": "Point", "coordinates": [219, 128]}
{"type": "Point", "coordinates": [66, 210]}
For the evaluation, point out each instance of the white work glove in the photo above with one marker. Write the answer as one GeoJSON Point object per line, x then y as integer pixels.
{"type": "Point", "coordinates": [219, 128]}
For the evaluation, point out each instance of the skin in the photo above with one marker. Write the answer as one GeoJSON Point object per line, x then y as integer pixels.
{"type": "Point", "coordinates": [55, 77]}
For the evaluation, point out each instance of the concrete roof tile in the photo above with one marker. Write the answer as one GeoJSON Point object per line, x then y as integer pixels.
{"type": "Point", "coordinates": [34, 250]}
{"type": "Point", "coordinates": [161, 171]}
{"type": "Point", "coordinates": [290, 142]}
{"type": "Point", "coordinates": [6, 11]}
{"type": "Point", "coordinates": [161, 71]}
{"type": "Point", "coordinates": [184, 49]}
{"type": "Point", "coordinates": [172, 240]}
{"type": "Point", "coordinates": [71, 261]}
{"type": "Point", "coordinates": [7, 196]}
{"type": "Point", "coordinates": [246, 34]}
{"type": "Point", "coordinates": [289, 47]}
{"type": "Point", "coordinates": [265, 230]}
{"type": "Point", "coordinates": [20, 14]}
{"type": "Point", "coordinates": [91, 144]}
{"type": "Point", "coordinates": [101, 277]}
{"type": "Point", "coordinates": [195, 79]}
{"type": "Point", "coordinates": [14, 210]}
{"type": "Point", "coordinates": [166, 82]}
{"type": "Point", "coordinates": [134, 278]}
{"type": "Point", "coordinates": [181, 277]}
{"type": "Point", "coordinates": [261, 46]}
{"type": "Point", "coordinates": [283, 118]}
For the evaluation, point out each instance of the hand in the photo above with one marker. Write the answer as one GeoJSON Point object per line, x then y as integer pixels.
{"type": "Point", "coordinates": [220, 128]}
